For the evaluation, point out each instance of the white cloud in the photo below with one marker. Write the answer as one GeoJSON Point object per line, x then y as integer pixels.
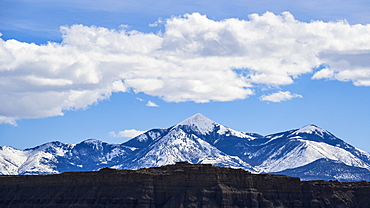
{"type": "Point", "coordinates": [193, 59]}
{"type": "Point", "coordinates": [128, 133]}
{"type": "Point", "coordinates": [280, 96]}
{"type": "Point", "coordinates": [324, 73]}
{"type": "Point", "coordinates": [349, 66]}
{"type": "Point", "coordinates": [151, 104]}
{"type": "Point", "coordinates": [8, 120]}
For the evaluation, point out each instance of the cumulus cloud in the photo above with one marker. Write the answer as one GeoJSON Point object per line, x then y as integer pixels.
{"type": "Point", "coordinates": [194, 59]}
{"type": "Point", "coordinates": [280, 96]}
{"type": "Point", "coordinates": [151, 104]}
{"type": "Point", "coordinates": [351, 66]}
{"type": "Point", "coordinates": [128, 133]}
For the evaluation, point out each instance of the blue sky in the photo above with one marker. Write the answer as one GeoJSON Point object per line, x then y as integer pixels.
{"type": "Point", "coordinates": [107, 70]}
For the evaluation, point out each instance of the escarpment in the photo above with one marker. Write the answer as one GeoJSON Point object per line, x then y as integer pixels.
{"type": "Point", "coordinates": [180, 185]}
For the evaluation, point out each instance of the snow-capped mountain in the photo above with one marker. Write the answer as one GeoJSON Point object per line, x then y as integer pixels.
{"type": "Point", "coordinates": [10, 160]}
{"type": "Point", "coordinates": [300, 147]}
{"type": "Point", "coordinates": [309, 152]}
{"type": "Point", "coordinates": [178, 145]}
{"type": "Point", "coordinates": [56, 157]}
{"type": "Point", "coordinates": [326, 169]}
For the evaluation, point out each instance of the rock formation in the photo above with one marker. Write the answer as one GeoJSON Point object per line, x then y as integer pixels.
{"type": "Point", "coordinates": [181, 185]}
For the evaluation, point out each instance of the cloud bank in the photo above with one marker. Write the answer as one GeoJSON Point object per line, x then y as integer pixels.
{"type": "Point", "coordinates": [193, 59]}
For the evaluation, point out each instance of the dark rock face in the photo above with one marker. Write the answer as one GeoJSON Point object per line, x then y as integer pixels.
{"type": "Point", "coordinates": [181, 185]}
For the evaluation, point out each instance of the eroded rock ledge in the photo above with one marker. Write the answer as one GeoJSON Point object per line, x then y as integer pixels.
{"type": "Point", "coordinates": [180, 185]}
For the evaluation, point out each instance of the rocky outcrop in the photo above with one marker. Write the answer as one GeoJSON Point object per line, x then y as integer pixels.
{"type": "Point", "coordinates": [180, 185]}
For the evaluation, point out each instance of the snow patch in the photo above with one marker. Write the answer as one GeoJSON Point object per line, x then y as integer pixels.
{"type": "Point", "coordinates": [11, 159]}
{"type": "Point", "coordinates": [177, 146]}
{"type": "Point", "coordinates": [200, 123]}
{"type": "Point", "coordinates": [308, 152]}
{"type": "Point", "coordinates": [231, 132]}
{"type": "Point", "coordinates": [312, 129]}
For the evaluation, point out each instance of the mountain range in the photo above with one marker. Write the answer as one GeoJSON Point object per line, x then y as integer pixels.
{"type": "Point", "coordinates": [310, 152]}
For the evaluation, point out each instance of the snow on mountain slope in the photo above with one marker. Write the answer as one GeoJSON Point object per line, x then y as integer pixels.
{"type": "Point", "coordinates": [198, 123]}
{"type": "Point", "coordinates": [312, 129]}
{"type": "Point", "coordinates": [179, 146]}
{"type": "Point", "coordinates": [10, 160]}
{"type": "Point", "coordinates": [93, 154]}
{"type": "Point", "coordinates": [361, 154]}
{"type": "Point", "coordinates": [307, 152]}
{"type": "Point", "coordinates": [39, 163]}
{"type": "Point", "coordinates": [43, 159]}
{"type": "Point", "coordinates": [197, 140]}
{"type": "Point", "coordinates": [295, 148]}
{"type": "Point", "coordinates": [145, 139]}
{"type": "Point", "coordinates": [55, 148]}
{"type": "Point", "coordinates": [57, 157]}
{"type": "Point", "coordinates": [209, 130]}
{"type": "Point", "coordinates": [326, 169]}
{"type": "Point", "coordinates": [37, 160]}
{"type": "Point", "coordinates": [314, 133]}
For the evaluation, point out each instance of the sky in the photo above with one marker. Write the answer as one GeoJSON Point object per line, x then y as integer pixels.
{"type": "Point", "coordinates": [109, 70]}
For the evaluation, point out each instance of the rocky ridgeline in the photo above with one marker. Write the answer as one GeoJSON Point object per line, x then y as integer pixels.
{"type": "Point", "coordinates": [180, 185]}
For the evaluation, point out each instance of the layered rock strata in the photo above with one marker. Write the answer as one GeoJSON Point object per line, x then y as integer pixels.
{"type": "Point", "coordinates": [180, 185]}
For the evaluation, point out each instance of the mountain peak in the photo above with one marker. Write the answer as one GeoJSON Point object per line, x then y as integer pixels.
{"type": "Point", "coordinates": [91, 140]}
{"type": "Point", "coordinates": [94, 142]}
{"type": "Point", "coordinates": [311, 129]}
{"type": "Point", "coordinates": [197, 118]}
{"type": "Point", "coordinates": [199, 123]}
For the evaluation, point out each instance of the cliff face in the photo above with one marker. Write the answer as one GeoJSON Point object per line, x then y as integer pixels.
{"type": "Point", "coordinates": [180, 185]}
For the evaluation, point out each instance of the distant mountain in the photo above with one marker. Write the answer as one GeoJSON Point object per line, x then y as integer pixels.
{"type": "Point", "coordinates": [309, 152]}
{"type": "Point", "coordinates": [300, 147]}
{"type": "Point", "coordinates": [326, 169]}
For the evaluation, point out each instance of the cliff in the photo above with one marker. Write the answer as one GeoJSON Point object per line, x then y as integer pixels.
{"type": "Point", "coordinates": [180, 185]}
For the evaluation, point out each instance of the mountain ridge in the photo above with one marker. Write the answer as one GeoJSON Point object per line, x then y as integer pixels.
{"type": "Point", "coordinates": [198, 140]}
